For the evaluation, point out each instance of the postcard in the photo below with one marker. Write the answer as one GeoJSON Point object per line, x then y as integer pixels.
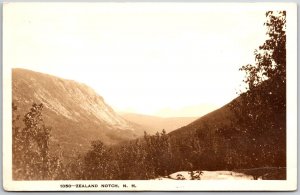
{"type": "Point", "coordinates": [140, 96]}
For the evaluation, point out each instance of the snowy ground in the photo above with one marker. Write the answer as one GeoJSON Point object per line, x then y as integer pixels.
{"type": "Point", "coordinates": [207, 175]}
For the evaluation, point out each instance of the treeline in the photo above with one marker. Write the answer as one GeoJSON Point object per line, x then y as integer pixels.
{"type": "Point", "coordinates": [144, 158]}
{"type": "Point", "coordinates": [152, 156]}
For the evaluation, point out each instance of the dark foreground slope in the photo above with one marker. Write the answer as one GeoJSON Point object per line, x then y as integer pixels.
{"type": "Point", "coordinates": [225, 140]}
{"type": "Point", "coordinates": [217, 118]}
{"type": "Point", "coordinates": [76, 113]}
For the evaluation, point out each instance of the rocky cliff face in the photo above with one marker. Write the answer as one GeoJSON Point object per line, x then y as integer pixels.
{"type": "Point", "coordinates": [76, 113]}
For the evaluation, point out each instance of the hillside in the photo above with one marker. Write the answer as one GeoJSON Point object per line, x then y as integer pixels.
{"type": "Point", "coordinates": [226, 139]}
{"type": "Point", "coordinates": [153, 124]}
{"type": "Point", "coordinates": [217, 118]}
{"type": "Point", "coordinates": [76, 113]}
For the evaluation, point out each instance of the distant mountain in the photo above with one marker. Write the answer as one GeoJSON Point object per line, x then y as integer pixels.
{"type": "Point", "coordinates": [76, 113]}
{"type": "Point", "coordinates": [153, 124]}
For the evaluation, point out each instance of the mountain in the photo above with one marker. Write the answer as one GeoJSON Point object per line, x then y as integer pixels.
{"type": "Point", "coordinates": [76, 113]}
{"type": "Point", "coordinates": [152, 124]}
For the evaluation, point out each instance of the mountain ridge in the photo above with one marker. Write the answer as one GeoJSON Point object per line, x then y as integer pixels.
{"type": "Point", "coordinates": [76, 113]}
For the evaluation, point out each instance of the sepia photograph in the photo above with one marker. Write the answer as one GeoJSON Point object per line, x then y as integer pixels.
{"type": "Point", "coordinates": [149, 96]}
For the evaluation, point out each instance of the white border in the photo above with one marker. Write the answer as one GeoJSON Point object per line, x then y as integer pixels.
{"type": "Point", "coordinates": [166, 185]}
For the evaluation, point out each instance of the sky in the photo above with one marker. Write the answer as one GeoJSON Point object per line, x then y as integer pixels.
{"type": "Point", "coordinates": [158, 59]}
